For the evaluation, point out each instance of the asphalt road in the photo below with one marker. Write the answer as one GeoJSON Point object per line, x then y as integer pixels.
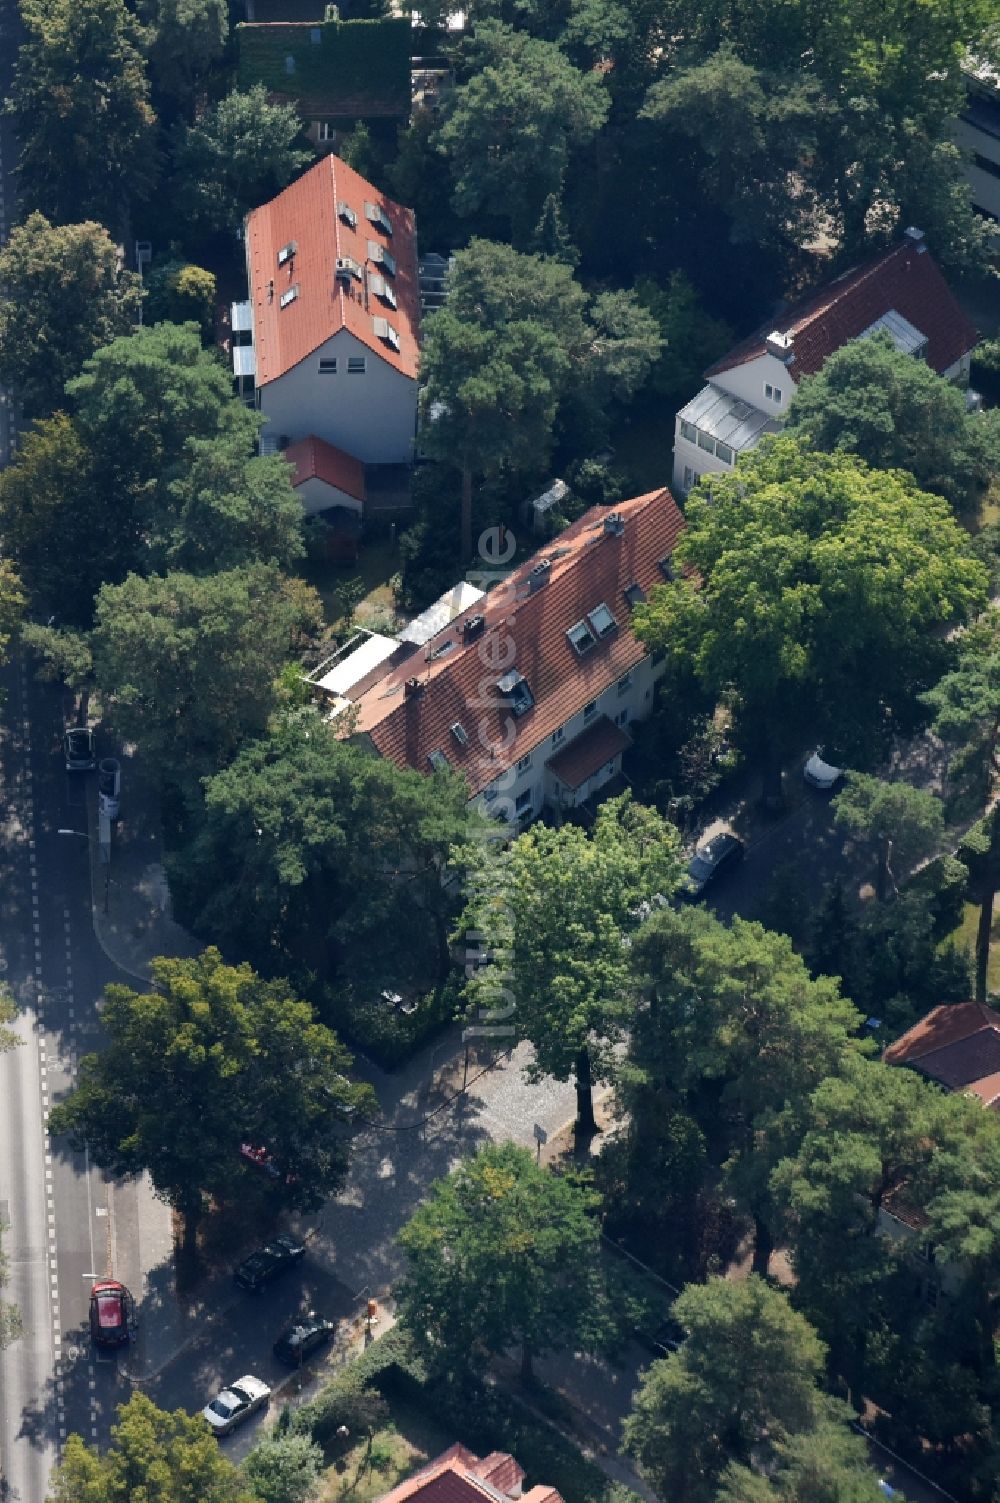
{"type": "Point", "coordinates": [10, 33]}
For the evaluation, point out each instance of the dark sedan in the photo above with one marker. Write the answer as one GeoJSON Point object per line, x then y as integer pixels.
{"type": "Point", "coordinates": [265, 1265]}
{"type": "Point", "coordinates": [302, 1338]}
{"type": "Point", "coordinates": [715, 856]}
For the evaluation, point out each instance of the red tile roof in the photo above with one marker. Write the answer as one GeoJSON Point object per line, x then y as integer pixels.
{"type": "Point", "coordinates": [306, 213]}
{"type": "Point", "coordinates": [315, 459]}
{"type": "Point", "coordinates": [958, 1046]}
{"type": "Point", "coordinates": [526, 633]}
{"type": "Point", "coordinates": [459, 1476]}
{"type": "Point", "coordinates": [589, 752]}
{"type": "Point", "coordinates": [905, 278]}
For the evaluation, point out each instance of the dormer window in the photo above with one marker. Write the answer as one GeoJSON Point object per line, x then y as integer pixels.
{"type": "Point", "coordinates": [581, 638]}
{"type": "Point", "coordinates": [602, 621]}
{"type": "Point", "coordinates": [287, 252]}
{"type": "Point", "coordinates": [347, 214]}
{"type": "Point", "coordinates": [515, 689]}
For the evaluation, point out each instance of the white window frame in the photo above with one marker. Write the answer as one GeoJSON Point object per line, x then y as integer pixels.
{"type": "Point", "coordinates": [326, 131]}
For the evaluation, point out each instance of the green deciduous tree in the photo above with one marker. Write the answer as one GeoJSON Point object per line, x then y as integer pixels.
{"type": "Point", "coordinates": [549, 916]}
{"type": "Point", "coordinates": [692, 339]}
{"type": "Point", "coordinates": [12, 603]}
{"type": "Point", "coordinates": [240, 153]}
{"type": "Point", "coordinates": [897, 414]}
{"type": "Point", "coordinates": [816, 597]}
{"type": "Point", "coordinates": [825, 1465]}
{"type": "Point", "coordinates": [171, 1458]}
{"type": "Point", "coordinates": [510, 129]}
{"type": "Point", "coordinates": [745, 1380]}
{"type": "Point", "coordinates": [187, 38]}
{"type": "Point", "coordinates": [191, 663]}
{"type": "Point", "coordinates": [81, 101]}
{"type": "Point", "coordinates": [966, 706]}
{"type": "Point", "coordinates": [737, 1030]}
{"type": "Point", "coordinates": [213, 1057]}
{"type": "Point", "coordinates": [502, 1253]}
{"type": "Point", "coordinates": [179, 293]}
{"type": "Point", "coordinates": [902, 823]}
{"type": "Point", "coordinates": [65, 294]}
{"type": "Point", "coordinates": [284, 1469]}
{"type": "Point", "coordinates": [310, 851]}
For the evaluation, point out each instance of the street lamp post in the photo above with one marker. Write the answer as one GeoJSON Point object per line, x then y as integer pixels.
{"type": "Point", "coordinates": [105, 858]}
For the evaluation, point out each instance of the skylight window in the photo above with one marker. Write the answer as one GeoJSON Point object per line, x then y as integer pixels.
{"type": "Point", "coordinates": [437, 759]}
{"type": "Point", "coordinates": [376, 215]}
{"type": "Point", "coordinates": [602, 620]}
{"type": "Point", "coordinates": [381, 257]}
{"type": "Point", "coordinates": [635, 594]}
{"type": "Point", "coordinates": [347, 214]}
{"type": "Point", "coordinates": [581, 637]}
{"type": "Point", "coordinates": [288, 296]}
{"type": "Point", "coordinates": [666, 568]}
{"type": "Point", "coordinates": [384, 330]}
{"type": "Point", "coordinates": [380, 288]}
{"type": "Point", "coordinates": [460, 734]}
{"type": "Point", "coordinates": [287, 252]}
{"type": "Point", "coordinates": [515, 689]}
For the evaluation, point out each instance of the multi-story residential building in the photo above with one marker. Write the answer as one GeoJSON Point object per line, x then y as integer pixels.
{"type": "Point", "coordinates": [900, 291]}
{"type": "Point", "coordinates": [977, 132]}
{"type": "Point", "coordinates": [530, 691]}
{"type": "Point", "coordinates": [332, 318]}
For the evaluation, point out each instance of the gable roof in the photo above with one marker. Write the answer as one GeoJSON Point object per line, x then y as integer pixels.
{"type": "Point", "coordinates": [305, 215]}
{"type": "Point", "coordinates": [524, 631]}
{"type": "Point", "coordinates": [459, 1476]}
{"type": "Point", "coordinates": [314, 459]}
{"type": "Point", "coordinates": [905, 279]}
{"type": "Point", "coordinates": [958, 1046]}
{"type": "Point", "coordinates": [339, 70]}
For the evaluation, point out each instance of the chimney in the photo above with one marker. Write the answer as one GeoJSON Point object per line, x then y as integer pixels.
{"type": "Point", "coordinates": [412, 688]}
{"type": "Point", "coordinates": [538, 576]}
{"type": "Point", "coordinates": [614, 525]}
{"type": "Point", "coordinates": [473, 627]}
{"type": "Point", "coordinates": [781, 346]}
{"type": "Point", "coordinates": [915, 237]}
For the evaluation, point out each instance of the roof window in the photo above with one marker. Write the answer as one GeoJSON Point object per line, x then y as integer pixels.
{"type": "Point", "coordinates": [380, 288]}
{"type": "Point", "coordinates": [347, 214]}
{"type": "Point", "coordinates": [515, 689]}
{"type": "Point", "coordinates": [437, 759]}
{"type": "Point", "coordinates": [581, 638]}
{"type": "Point", "coordinates": [635, 594]}
{"type": "Point", "coordinates": [381, 257]}
{"type": "Point", "coordinates": [376, 215]}
{"type": "Point", "coordinates": [602, 620]}
{"type": "Point", "coordinates": [460, 734]}
{"type": "Point", "coordinates": [384, 330]}
{"type": "Point", "coordinates": [666, 568]}
{"type": "Point", "coordinates": [287, 252]}
{"type": "Point", "coordinates": [288, 296]}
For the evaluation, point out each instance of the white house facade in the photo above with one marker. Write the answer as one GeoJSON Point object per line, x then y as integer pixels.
{"type": "Point", "coordinates": [747, 395]}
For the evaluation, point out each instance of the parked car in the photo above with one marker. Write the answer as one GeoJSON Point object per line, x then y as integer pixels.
{"type": "Point", "coordinates": [715, 856]}
{"type": "Point", "coordinates": [236, 1404]}
{"type": "Point", "coordinates": [303, 1337]}
{"type": "Point", "coordinates": [78, 749]}
{"type": "Point", "coordinates": [112, 1313]}
{"type": "Point", "coordinates": [265, 1265]}
{"type": "Point", "coordinates": [821, 774]}
{"type": "Point", "coordinates": [661, 1339]}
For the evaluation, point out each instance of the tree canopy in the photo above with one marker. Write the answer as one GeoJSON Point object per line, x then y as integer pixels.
{"type": "Point", "coordinates": [903, 823]}
{"type": "Point", "coordinates": [502, 1252]}
{"type": "Point", "coordinates": [81, 100]}
{"type": "Point", "coordinates": [816, 591]}
{"type": "Point", "coordinates": [65, 294]}
{"type": "Point", "coordinates": [213, 1057]}
{"type": "Point", "coordinates": [551, 912]}
{"type": "Point", "coordinates": [895, 413]}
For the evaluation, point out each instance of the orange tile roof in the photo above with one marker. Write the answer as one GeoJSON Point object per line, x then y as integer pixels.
{"type": "Point", "coordinates": [958, 1046]}
{"type": "Point", "coordinates": [525, 633]}
{"type": "Point", "coordinates": [314, 459]}
{"type": "Point", "coordinates": [905, 278]}
{"type": "Point", "coordinates": [459, 1476]}
{"type": "Point", "coordinates": [306, 213]}
{"type": "Point", "coordinates": [589, 752]}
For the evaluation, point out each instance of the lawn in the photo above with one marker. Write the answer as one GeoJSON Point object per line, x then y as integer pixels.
{"type": "Point", "coordinates": [377, 562]}
{"type": "Point", "coordinates": [396, 1452]}
{"type": "Point", "coordinates": [965, 935]}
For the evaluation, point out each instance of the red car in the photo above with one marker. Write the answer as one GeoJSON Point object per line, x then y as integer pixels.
{"type": "Point", "coordinates": [112, 1313]}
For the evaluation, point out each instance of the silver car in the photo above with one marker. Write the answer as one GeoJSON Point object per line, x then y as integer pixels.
{"type": "Point", "coordinates": [236, 1404]}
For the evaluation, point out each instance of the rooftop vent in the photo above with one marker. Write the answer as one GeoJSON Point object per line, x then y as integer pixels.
{"type": "Point", "coordinates": [781, 346]}
{"type": "Point", "coordinates": [347, 214]}
{"type": "Point", "coordinates": [288, 296]}
{"type": "Point", "coordinates": [473, 627]}
{"type": "Point", "coordinates": [412, 688]}
{"type": "Point", "coordinates": [614, 525]}
{"type": "Point", "coordinates": [460, 734]}
{"type": "Point", "coordinates": [346, 268]}
{"type": "Point", "coordinates": [287, 252]}
{"type": "Point", "coordinates": [515, 689]}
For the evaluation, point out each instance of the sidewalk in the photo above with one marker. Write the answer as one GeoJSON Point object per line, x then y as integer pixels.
{"type": "Point", "coordinates": [130, 899]}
